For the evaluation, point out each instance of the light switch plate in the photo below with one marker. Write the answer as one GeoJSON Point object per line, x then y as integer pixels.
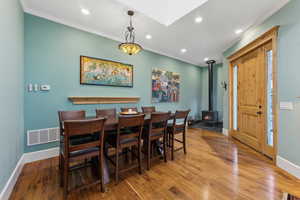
{"type": "Point", "coordinates": [45, 87]}
{"type": "Point", "coordinates": [285, 105]}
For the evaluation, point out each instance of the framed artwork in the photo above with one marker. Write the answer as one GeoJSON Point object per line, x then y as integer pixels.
{"type": "Point", "coordinates": [95, 71]}
{"type": "Point", "coordinates": [165, 86]}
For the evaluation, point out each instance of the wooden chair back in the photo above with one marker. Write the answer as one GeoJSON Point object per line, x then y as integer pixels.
{"type": "Point", "coordinates": [134, 109]}
{"type": "Point", "coordinates": [149, 109]}
{"type": "Point", "coordinates": [133, 123]}
{"type": "Point", "coordinates": [180, 115]}
{"type": "Point", "coordinates": [83, 127]}
{"type": "Point", "coordinates": [158, 123]}
{"type": "Point", "coordinates": [107, 113]}
{"type": "Point", "coordinates": [70, 115]}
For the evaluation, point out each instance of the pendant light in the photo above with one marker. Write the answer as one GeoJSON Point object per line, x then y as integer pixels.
{"type": "Point", "coordinates": [129, 46]}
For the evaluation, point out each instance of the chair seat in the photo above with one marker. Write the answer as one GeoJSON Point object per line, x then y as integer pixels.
{"type": "Point", "coordinates": [156, 134]}
{"type": "Point", "coordinates": [83, 152]}
{"type": "Point", "coordinates": [177, 123]}
{"type": "Point", "coordinates": [129, 140]}
{"type": "Point", "coordinates": [112, 140]}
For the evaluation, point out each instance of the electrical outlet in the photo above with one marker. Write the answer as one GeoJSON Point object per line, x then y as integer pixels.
{"type": "Point", "coordinates": [286, 105]}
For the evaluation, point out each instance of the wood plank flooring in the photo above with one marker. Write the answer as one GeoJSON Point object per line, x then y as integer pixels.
{"type": "Point", "coordinates": [215, 168]}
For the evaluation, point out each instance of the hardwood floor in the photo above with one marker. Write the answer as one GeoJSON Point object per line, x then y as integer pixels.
{"type": "Point", "coordinates": [215, 168]}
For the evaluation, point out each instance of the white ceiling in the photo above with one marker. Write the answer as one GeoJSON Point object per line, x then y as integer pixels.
{"type": "Point", "coordinates": [165, 12]}
{"type": "Point", "coordinates": [207, 39]}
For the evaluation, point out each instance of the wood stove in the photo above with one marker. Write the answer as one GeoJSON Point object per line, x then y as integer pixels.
{"type": "Point", "coordinates": [210, 115]}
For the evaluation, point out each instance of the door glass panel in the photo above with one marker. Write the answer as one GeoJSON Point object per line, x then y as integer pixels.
{"type": "Point", "coordinates": [270, 132]}
{"type": "Point", "coordinates": [235, 97]}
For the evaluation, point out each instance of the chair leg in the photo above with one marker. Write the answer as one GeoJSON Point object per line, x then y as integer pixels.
{"type": "Point", "coordinates": [184, 142]}
{"type": "Point", "coordinates": [132, 154]}
{"type": "Point", "coordinates": [66, 178]}
{"type": "Point", "coordinates": [172, 146]}
{"type": "Point", "coordinates": [59, 161]}
{"type": "Point", "coordinates": [126, 153]}
{"type": "Point", "coordinates": [140, 157]}
{"type": "Point", "coordinates": [165, 148]}
{"type": "Point", "coordinates": [117, 166]}
{"type": "Point", "coordinates": [169, 140]}
{"type": "Point", "coordinates": [101, 171]}
{"type": "Point", "coordinates": [61, 170]}
{"type": "Point", "coordinates": [148, 154]}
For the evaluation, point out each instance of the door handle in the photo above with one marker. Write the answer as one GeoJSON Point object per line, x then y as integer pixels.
{"type": "Point", "coordinates": [259, 113]}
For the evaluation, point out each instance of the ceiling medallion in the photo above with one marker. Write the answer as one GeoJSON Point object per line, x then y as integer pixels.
{"type": "Point", "coordinates": [129, 46]}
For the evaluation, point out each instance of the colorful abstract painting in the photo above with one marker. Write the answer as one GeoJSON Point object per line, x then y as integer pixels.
{"type": "Point", "coordinates": [165, 86]}
{"type": "Point", "coordinates": [94, 71]}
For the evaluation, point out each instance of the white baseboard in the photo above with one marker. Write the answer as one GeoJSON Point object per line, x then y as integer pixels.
{"type": "Point", "coordinates": [40, 155]}
{"type": "Point", "coordinates": [288, 166]}
{"type": "Point", "coordinates": [225, 132]}
{"type": "Point", "coordinates": [25, 158]}
{"type": "Point", "coordinates": [10, 184]}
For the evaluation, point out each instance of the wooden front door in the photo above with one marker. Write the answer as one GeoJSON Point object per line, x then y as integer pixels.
{"type": "Point", "coordinates": [253, 94]}
{"type": "Point", "coordinates": [251, 86]}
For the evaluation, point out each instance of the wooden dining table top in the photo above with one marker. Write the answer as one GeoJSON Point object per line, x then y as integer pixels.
{"type": "Point", "coordinates": [112, 123]}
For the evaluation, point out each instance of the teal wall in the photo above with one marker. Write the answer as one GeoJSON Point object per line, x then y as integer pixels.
{"type": "Point", "coordinates": [288, 74]}
{"type": "Point", "coordinates": [11, 87]}
{"type": "Point", "coordinates": [52, 57]}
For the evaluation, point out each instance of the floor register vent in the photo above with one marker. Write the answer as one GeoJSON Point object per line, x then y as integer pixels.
{"type": "Point", "coordinates": [42, 136]}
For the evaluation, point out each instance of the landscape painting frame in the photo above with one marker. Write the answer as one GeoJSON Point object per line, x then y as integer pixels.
{"type": "Point", "coordinates": [102, 72]}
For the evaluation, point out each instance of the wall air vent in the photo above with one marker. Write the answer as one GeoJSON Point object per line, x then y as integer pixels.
{"type": "Point", "coordinates": [42, 136]}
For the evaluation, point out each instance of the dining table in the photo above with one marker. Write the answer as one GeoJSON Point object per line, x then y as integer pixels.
{"type": "Point", "coordinates": [111, 126]}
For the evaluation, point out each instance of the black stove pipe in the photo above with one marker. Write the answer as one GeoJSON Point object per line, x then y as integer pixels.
{"type": "Point", "coordinates": [210, 84]}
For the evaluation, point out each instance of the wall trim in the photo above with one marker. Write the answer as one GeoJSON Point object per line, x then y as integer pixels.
{"type": "Point", "coordinates": [288, 166]}
{"type": "Point", "coordinates": [225, 132]}
{"type": "Point", "coordinates": [40, 155]}
{"type": "Point", "coordinates": [10, 184]}
{"type": "Point", "coordinates": [25, 158]}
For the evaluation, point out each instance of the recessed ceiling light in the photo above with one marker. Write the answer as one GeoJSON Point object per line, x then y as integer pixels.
{"type": "Point", "coordinates": [238, 31]}
{"type": "Point", "coordinates": [183, 50]}
{"type": "Point", "coordinates": [85, 11]}
{"type": "Point", "coordinates": [198, 19]}
{"type": "Point", "coordinates": [148, 36]}
{"type": "Point", "coordinates": [206, 59]}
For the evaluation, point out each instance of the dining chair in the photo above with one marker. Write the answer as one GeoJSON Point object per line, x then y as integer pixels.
{"type": "Point", "coordinates": [134, 109]}
{"type": "Point", "coordinates": [71, 115]}
{"type": "Point", "coordinates": [108, 113]}
{"type": "Point", "coordinates": [178, 126]}
{"type": "Point", "coordinates": [156, 130]}
{"type": "Point", "coordinates": [129, 135]}
{"type": "Point", "coordinates": [148, 109]}
{"type": "Point", "coordinates": [88, 150]}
